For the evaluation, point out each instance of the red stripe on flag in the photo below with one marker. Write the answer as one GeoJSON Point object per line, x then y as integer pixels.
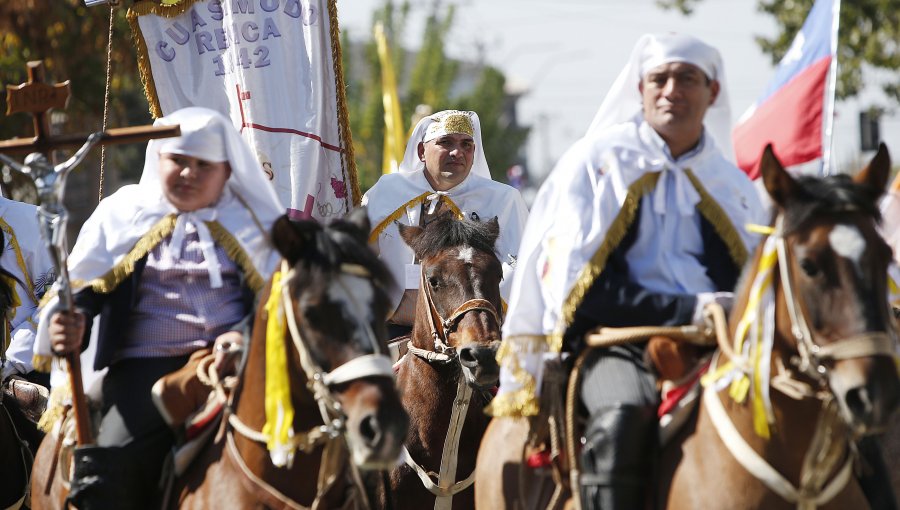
{"type": "Point", "coordinates": [791, 120]}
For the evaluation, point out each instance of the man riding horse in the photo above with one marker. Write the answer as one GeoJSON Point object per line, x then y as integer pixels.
{"type": "Point", "coordinates": [444, 168]}
{"type": "Point", "coordinates": [640, 223]}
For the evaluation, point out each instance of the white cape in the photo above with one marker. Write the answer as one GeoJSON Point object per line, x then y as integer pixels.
{"type": "Point", "coordinates": [579, 216]}
{"type": "Point", "coordinates": [399, 197]}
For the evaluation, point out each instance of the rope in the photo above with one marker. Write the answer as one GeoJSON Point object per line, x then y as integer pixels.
{"type": "Point", "coordinates": [112, 17]}
{"type": "Point", "coordinates": [345, 139]}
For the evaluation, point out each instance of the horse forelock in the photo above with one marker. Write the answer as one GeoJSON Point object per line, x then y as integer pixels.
{"type": "Point", "coordinates": [833, 196]}
{"type": "Point", "coordinates": [448, 232]}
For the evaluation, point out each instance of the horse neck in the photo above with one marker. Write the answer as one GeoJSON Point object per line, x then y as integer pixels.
{"type": "Point", "coordinates": [795, 420]}
{"type": "Point", "coordinates": [250, 406]}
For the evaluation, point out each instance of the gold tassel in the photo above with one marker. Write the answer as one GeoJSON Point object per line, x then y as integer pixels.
{"type": "Point", "coordinates": [236, 253]}
{"type": "Point", "coordinates": [614, 235]}
{"type": "Point", "coordinates": [402, 209]}
{"type": "Point", "coordinates": [720, 221]}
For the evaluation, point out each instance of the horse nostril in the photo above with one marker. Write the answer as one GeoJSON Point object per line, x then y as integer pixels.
{"type": "Point", "coordinates": [859, 402]}
{"type": "Point", "coordinates": [370, 430]}
{"type": "Point", "coordinates": [468, 357]}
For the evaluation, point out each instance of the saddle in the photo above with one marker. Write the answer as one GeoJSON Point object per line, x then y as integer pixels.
{"type": "Point", "coordinates": [30, 398]}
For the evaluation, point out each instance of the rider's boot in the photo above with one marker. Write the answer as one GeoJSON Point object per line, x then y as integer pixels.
{"type": "Point", "coordinates": [875, 479]}
{"type": "Point", "coordinates": [101, 480]}
{"type": "Point", "coordinates": [617, 457]}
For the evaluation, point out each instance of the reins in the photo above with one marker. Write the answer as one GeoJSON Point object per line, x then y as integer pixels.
{"type": "Point", "coordinates": [320, 384]}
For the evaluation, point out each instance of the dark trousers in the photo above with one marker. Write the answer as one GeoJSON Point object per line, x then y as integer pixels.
{"type": "Point", "coordinates": [132, 423]}
{"type": "Point", "coordinates": [619, 394]}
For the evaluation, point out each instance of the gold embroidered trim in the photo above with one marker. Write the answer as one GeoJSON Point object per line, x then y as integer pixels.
{"type": "Point", "coordinates": [143, 56]}
{"type": "Point", "coordinates": [402, 209]}
{"type": "Point", "coordinates": [523, 401]}
{"type": "Point", "coordinates": [109, 281]}
{"type": "Point", "coordinates": [720, 221]}
{"type": "Point", "coordinates": [614, 235]}
{"type": "Point", "coordinates": [41, 362]}
{"type": "Point", "coordinates": [236, 253]}
{"type": "Point", "coordinates": [20, 261]}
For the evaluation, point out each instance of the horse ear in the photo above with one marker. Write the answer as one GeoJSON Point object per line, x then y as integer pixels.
{"type": "Point", "coordinates": [875, 175]}
{"type": "Point", "coordinates": [779, 183]}
{"type": "Point", "coordinates": [410, 235]}
{"type": "Point", "coordinates": [493, 229]}
{"type": "Point", "coordinates": [359, 218]}
{"type": "Point", "coordinates": [288, 238]}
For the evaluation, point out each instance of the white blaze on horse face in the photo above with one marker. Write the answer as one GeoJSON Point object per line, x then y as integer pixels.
{"type": "Point", "coordinates": [847, 242]}
{"type": "Point", "coordinates": [466, 254]}
{"type": "Point", "coordinates": [355, 294]}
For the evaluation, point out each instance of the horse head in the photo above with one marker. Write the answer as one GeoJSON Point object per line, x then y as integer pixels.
{"type": "Point", "coordinates": [337, 290]}
{"type": "Point", "coordinates": [832, 308]}
{"type": "Point", "coordinates": [459, 293]}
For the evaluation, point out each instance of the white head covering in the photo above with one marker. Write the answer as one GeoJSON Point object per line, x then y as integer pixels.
{"type": "Point", "coordinates": [411, 162]}
{"type": "Point", "coordinates": [209, 135]}
{"type": "Point", "coordinates": [130, 222]}
{"type": "Point", "coordinates": [623, 101]}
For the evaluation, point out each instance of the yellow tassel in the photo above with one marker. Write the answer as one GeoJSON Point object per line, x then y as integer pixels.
{"type": "Point", "coordinates": [394, 216]}
{"type": "Point", "coordinates": [59, 399]}
{"type": "Point", "coordinates": [279, 408]}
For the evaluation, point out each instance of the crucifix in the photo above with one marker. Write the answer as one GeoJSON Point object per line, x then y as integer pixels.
{"type": "Point", "coordinates": [37, 98]}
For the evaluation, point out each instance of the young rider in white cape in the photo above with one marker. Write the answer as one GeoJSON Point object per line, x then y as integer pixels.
{"type": "Point", "coordinates": [172, 266]}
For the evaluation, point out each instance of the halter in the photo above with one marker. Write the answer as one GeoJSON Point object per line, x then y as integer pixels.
{"type": "Point", "coordinates": [824, 453]}
{"type": "Point", "coordinates": [320, 383]}
{"type": "Point", "coordinates": [445, 487]}
{"type": "Point", "coordinates": [443, 353]}
{"type": "Point", "coordinates": [813, 355]}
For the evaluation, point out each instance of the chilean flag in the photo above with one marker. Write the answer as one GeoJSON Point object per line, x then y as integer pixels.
{"type": "Point", "coordinates": [791, 113]}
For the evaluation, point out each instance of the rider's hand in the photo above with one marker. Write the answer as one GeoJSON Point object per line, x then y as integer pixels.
{"type": "Point", "coordinates": [227, 349]}
{"type": "Point", "coordinates": [726, 299]}
{"type": "Point", "coordinates": [66, 332]}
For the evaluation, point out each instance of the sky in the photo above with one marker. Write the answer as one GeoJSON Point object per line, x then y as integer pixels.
{"type": "Point", "coordinates": [566, 54]}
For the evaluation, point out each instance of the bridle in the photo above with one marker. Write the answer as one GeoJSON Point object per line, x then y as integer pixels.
{"type": "Point", "coordinates": [824, 452]}
{"type": "Point", "coordinates": [813, 356]}
{"type": "Point", "coordinates": [446, 485]}
{"type": "Point", "coordinates": [441, 328]}
{"type": "Point", "coordinates": [321, 383]}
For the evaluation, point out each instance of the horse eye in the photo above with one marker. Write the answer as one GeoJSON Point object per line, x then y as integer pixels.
{"type": "Point", "coordinates": [433, 281]}
{"type": "Point", "coordinates": [809, 267]}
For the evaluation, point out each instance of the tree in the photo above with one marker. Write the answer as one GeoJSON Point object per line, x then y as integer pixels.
{"type": "Point", "coordinates": [71, 39]}
{"type": "Point", "coordinates": [429, 82]}
{"type": "Point", "coordinates": [869, 34]}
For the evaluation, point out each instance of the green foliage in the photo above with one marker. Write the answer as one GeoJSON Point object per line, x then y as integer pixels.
{"type": "Point", "coordinates": [428, 82]}
{"type": "Point", "coordinates": [869, 34]}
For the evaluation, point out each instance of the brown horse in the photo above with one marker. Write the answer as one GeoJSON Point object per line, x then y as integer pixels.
{"type": "Point", "coordinates": [446, 376]}
{"type": "Point", "coordinates": [347, 412]}
{"type": "Point", "coordinates": [833, 379]}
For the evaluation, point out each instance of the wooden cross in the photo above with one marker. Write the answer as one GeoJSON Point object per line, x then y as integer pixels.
{"type": "Point", "coordinates": [36, 98]}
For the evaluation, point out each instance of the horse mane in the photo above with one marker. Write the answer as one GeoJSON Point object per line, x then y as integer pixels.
{"type": "Point", "coordinates": [828, 196]}
{"type": "Point", "coordinates": [327, 247]}
{"type": "Point", "coordinates": [446, 231]}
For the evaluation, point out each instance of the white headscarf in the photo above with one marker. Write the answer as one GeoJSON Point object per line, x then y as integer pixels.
{"type": "Point", "coordinates": [623, 101]}
{"type": "Point", "coordinates": [411, 162]}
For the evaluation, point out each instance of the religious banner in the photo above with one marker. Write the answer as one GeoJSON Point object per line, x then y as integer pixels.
{"type": "Point", "coordinates": [794, 113]}
{"type": "Point", "coordinates": [274, 66]}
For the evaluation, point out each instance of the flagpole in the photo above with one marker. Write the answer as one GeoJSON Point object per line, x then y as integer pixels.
{"type": "Point", "coordinates": [830, 91]}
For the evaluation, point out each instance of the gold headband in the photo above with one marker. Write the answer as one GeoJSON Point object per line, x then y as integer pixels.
{"type": "Point", "coordinates": [449, 122]}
